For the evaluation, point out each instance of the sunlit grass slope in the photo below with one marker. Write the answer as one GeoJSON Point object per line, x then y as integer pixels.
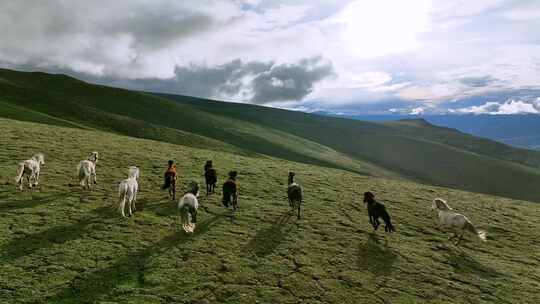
{"type": "Point", "coordinates": [59, 244]}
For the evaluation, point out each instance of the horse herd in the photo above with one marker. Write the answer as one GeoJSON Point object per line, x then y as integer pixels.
{"type": "Point", "coordinates": [188, 203]}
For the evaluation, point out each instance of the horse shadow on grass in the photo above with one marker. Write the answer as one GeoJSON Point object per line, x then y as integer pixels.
{"type": "Point", "coordinates": [375, 256]}
{"type": "Point", "coordinates": [31, 203]}
{"type": "Point", "coordinates": [88, 288]}
{"type": "Point", "coordinates": [29, 244]}
{"type": "Point", "coordinates": [463, 263]}
{"type": "Point", "coordinates": [161, 207]}
{"type": "Point", "coordinates": [268, 239]}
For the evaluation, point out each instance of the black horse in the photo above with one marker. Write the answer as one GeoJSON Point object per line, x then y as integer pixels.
{"type": "Point", "coordinates": [210, 176]}
{"type": "Point", "coordinates": [376, 210]}
{"type": "Point", "coordinates": [230, 191]}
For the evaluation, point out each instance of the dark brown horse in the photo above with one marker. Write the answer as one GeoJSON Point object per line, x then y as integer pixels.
{"type": "Point", "coordinates": [230, 191]}
{"type": "Point", "coordinates": [294, 193]}
{"type": "Point", "coordinates": [210, 175]}
{"type": "Point", "coordinates": [376, 210]}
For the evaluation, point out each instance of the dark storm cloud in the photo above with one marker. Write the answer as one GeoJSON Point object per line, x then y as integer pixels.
{"type": "Point", "coordinates": [254, 81]}
{"type": "Point", "coordinates": [290, 81]}
{"type": "Point", "coordinates": [98, 36]}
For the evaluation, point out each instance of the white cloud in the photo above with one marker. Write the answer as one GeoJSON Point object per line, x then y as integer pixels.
{"type": "Point", "coordinates": [423, 52]}
{"type": "Point", "coordinates": [417, 111]}
{"type": "Point", "coordinates": [507, 107]}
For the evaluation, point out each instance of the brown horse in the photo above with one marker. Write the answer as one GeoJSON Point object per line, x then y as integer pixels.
{"type": "Point", "coordinates": [230, 191]}
{"type": "Point", "coordinates": [210, 176]}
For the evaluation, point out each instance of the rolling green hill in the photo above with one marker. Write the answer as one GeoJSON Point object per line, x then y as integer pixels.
{"type": "Point", "coordinates": [142, 115]}
{"type": "Point", "coordinates": [59, 244]}
{"type": "Point", "coordinates": [411, 150]}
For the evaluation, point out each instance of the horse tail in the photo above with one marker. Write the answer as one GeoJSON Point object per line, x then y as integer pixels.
{"type": "Point", "coordinates": [122, 192]}
{"type": "Point", "coordinates": [19, 173]}
{"type": "Point", "coordinates": [229, 188]}
{"type": "Point", "coordinates": [80, 171]}
{"type": "Point", "coordinates": [167, 181]}
{"type": "Point", "coordinates": [480, 233]}
{"type": "Point", "coordinates": [184, 218]}
{"type": "Point", "coordinates": [213, 173]}
{"type": "Point", "coordinates": [388, 222]}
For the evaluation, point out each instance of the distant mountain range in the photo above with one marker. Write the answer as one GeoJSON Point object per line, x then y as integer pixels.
{"type": "Point", "coordinates": [521, 130]}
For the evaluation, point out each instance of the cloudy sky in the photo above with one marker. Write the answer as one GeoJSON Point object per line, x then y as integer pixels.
{"type": "Point", "coordinates": [354, 57]}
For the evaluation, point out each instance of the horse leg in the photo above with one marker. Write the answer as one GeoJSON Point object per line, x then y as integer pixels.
{"type": "Point", "coordinates": [235, 202]}
{"type": "Point", "coordinates": [371, 218]}
{"type": "Point", "coordinates": [298, 217]}
{"type": "Point", "coordinates": [134, 200]}
{"type": "Point", "coordinates": [122, 204]}
{"type": "Point", "coordinates": [36, 179]}
{"type": "Point", "coordinates": [460, 238]}
{"type": "Point", "coordinates": [373, 222]}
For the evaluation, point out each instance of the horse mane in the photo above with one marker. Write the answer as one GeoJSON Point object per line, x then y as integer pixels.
{"type": "Point", "coordinates": [290, 180]}
{"type": "Point", "coordinates": [369, 197]}
{"type": "Point", "coordinates": [39, 157]}
{"type": "Point", "coordinates": [193, 188]}
{"type": "Point", "coordinates": [93, 156]}
{"type": "Point", "coordinates": [441, 204]}
{"type": "Point", "coordinates": [133, 172]}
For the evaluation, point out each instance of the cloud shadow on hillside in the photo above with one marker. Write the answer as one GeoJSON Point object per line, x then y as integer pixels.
{"type": "Point", "coordinates": [463, 263]}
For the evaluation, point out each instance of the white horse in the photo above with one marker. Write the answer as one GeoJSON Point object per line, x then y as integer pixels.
{"type": "Point", "coordinates": [188, 206]}
{"type": "Point", "coordinates": [455, 221]}
{"type": "Point", "coordinates": [31, 169]}
{"type": "Point", "coordinates": [87, 170]}
{"type": "Point", "coordinates": [127, 191]}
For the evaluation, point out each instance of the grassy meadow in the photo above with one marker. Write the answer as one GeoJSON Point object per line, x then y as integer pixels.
{"type": "Point", "coordinates": [60, 244]}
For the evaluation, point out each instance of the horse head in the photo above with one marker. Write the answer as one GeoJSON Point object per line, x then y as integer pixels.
{"type": "Point", "coordinates": [93, 157]}
{"type": "Point", "coordinates": [291, 177]}
{"type": "Point", "coordinates": [39, 158]}
{"type": "Point", "coordinates": [368, 197]}
{"type": "Point", "coordinates": [440, 204]}
{"type": "Point", "coordinates": [133, 172]}
{"type": "Point", "coordinates": [193, 188]}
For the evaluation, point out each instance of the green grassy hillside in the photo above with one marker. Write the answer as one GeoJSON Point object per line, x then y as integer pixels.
{"type": "Point", "coordinates": [59, 244]}
{"type": "Point", "coordinates": [142, 115]}
{"type": "Point", "coordinates": [412, 150]}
